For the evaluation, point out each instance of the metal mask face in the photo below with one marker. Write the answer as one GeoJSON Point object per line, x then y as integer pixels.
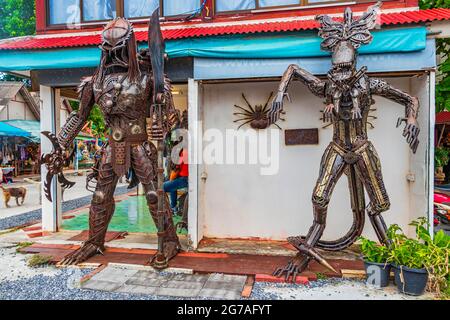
{"type": "Point", "coordinates": [115, 41]}
{"type": "Point", "coordinates": [343, 38]}
{"type": "Point", "coordinates": [344, 61]}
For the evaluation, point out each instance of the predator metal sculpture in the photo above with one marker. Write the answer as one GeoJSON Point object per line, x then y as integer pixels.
{"type": "Point", "coordinates": [135, 98]}
{"type": "Point", "coordinates": [348, 99]}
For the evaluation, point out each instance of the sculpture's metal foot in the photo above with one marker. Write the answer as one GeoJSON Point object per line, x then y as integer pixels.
{"type": "Point", "coordinates": [296, 266]}
{"type": "Point", "coordinates": [171, 249]}
{"type": "Point", "coordinates": [301, 246]}
{"type": "Point", "coordinates": [87, 251]}
{"type": "Point", "coordinates": [160, 261]}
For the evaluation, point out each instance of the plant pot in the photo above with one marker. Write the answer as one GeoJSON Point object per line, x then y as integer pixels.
{"type": "Point", "coordinates": [377, 273]}
{"type": "Point", "coordinates": [439, 175]}
{"type": "Point", "coordinates": [411, 281]}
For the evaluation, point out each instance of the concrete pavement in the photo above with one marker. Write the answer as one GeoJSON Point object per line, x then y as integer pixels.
{"type": "Point", "coordinates": [32, 201]}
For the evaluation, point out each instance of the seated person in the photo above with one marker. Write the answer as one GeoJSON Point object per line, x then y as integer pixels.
{"type": "Point", "coordinates": [179, 180]}
{"type": "Point", "coordinates": [5, 178]}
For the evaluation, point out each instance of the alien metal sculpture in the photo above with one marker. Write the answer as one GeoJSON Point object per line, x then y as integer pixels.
{"type": "Point", "coordinates": [135, 99]}
{"type": "Point", "coordinates": [348, 99]}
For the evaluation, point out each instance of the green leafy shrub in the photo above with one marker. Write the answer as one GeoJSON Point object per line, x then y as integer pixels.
{"type": "Point", "coordinates": [437, 256]}
{"type": "Point", "coordinates": [424, 251]}
{"type": "Point", "coordinates": [441, 157]}
{"type": "Point", "coordinates": [38, 260]}
{"type": "Point", "coordinates": [22, 245]}
{"type": "Point", "coordinates": [373, 252]}
{"type": "Point", "coordinates": [405, 251]}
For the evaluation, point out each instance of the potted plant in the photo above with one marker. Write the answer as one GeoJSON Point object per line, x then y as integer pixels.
{"type": "Point", "coordinates": [441, 159]}
{"type": "Point", "coordinates": [408, 258]}
{"type": "Point", "coordinates": [437, 257]}
{"type": "Point", "coordinates": [376, 263]}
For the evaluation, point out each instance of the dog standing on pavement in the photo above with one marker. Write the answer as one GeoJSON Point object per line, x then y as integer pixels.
{"type": "Point", "coordinates": [17, 193]}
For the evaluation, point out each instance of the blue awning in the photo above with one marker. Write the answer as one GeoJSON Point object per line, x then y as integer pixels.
{"type": "Point", "coordinates": [305, 44]}
{"type": "Point", "coordinates": [213, 69]}
{"type": "Point", "coordinates": [32, 127]}
{"type": "Point", "coordinates": [10, 131]}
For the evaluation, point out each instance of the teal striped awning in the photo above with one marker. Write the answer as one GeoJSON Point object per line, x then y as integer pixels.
{"type": "Point", "coordinates": [304, 44]}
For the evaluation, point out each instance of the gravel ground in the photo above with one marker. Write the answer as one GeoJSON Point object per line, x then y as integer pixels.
{"type": "Point", "coordinates": [329, 289]}
{"type": "Point", "coordinates": [22, 219]}
{"type": "Point", "coordinates": [20, 282]}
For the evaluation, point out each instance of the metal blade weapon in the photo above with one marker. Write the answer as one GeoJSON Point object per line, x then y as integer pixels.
{"type": "Point", "coordinates": [54, 163]}
{"type": "Point", "coordinates": [157, 126]}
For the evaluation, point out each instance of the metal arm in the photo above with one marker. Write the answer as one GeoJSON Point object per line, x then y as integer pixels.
{"type": "Point", "coordinates": [314, 84]}
{"type": "Point", "coordinates": [412, 130]}
{"type": "Point", "coordinates": [77, 120]}
{"type": "Point", "coordinates": [55, 160]}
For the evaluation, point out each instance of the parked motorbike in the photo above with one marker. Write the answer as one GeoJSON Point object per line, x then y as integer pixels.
{"type": "Point", "coordinates": [441, 209]}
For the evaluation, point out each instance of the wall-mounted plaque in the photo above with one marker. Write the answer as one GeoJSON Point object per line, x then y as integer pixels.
{"type": "Point", "coordinates": [301, 137]}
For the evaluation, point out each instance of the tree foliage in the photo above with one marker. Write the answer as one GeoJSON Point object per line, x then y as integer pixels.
{"type": "Point", "coordinates": [17, 18]}
{"type": "Point", "coordinates": [96, 119]}
{"type": "Point", "coordinates": [443, 51]}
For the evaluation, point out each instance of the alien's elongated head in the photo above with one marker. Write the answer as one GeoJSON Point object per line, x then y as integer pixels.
{"type": "Point", "coordinates": [343, 38]}
{"type": "Point", "coordinates": [119, 48]}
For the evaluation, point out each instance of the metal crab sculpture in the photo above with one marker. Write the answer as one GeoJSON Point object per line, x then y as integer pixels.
{"type": "Point", "coordinates": [255, 115]}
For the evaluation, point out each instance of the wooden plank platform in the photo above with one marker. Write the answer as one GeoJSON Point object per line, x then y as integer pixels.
{"type": "Point", "coordinates": [235, 264]}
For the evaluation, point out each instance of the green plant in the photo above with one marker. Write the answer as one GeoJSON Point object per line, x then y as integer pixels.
{"type": "Point", "coordinates": [404, 251]}
{"type": "Point", "coordinates": [321, 276]}
{"type": "Point", "coordinates": [96, 119]}
{"type": "Point", "coordinates": [441, 157]}
{"type": "Point", "coordinates": [373, 252]}
{"type": "Point", "coordinates": [424, 251]}
{"type": "Point", "coordinates": [443, 52]}
{"type": "Point", "coordinates": [437, 256]}
{"type": "Point", "coordinates": [23, 245]}
{"type": "Point", "coordinates": [38, 260]}
{"type": "Point", "coordinates": [17, 18]}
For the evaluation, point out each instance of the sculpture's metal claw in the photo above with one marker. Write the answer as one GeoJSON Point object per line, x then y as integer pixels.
{"type": "Point", "coordinates": [321, 260]}
{"type": "Point", "coordinates": [54, 162]}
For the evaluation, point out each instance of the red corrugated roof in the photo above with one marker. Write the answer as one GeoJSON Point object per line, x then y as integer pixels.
{"type": "Point", "coordinates": [192, 31]}
{"type": "Point", "coordinates": [443, 117]}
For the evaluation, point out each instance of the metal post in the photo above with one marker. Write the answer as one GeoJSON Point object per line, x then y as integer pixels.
{"type": "Point", "coordinates": [160, 261]}
{"type": "Point", "coordinates": [51, 211]}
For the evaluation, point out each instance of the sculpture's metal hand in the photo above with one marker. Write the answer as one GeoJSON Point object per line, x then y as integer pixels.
{"type": "Point", "coordinates": [412, 105]}
{"type": "Point", "coordinates": [328, 113]}
{"type": "Point", "coordinates": [411, 132]}
{"type": "Point", "coordinates": [277, 107]}
{"type": "Point", "coordinates": [54, 163]}
{"type": "Point", "coordinates": [356, 113]}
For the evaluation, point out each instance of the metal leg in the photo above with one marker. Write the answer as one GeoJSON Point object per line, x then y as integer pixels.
{"type": "Point", "coordinates": [332, 168]}
{"type": "Point", "coordinates": [100, 214]}
{"type": "Point", "coordinates": [145, 169]}
{"type": "Point", "coordinates": [369, 168]}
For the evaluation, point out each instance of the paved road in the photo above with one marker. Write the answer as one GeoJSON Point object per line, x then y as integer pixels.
{"type": "Point", "coordinates": [75, 198]}
{"type": "Point", "coordinates": [32, 201]}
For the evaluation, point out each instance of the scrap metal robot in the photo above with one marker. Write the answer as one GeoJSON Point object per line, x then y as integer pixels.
{"type": "Point", "coordinates": [134, 95]}
{"type": "Point", "coordinates": [347, 94]}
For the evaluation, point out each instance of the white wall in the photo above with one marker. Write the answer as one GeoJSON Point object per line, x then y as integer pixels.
{"type": "Point", "coordinates": [180, 99]}
{"type": "Point", "coordinates": [237, 202]}
{"type": "Point", "coordinates": [17, 109]}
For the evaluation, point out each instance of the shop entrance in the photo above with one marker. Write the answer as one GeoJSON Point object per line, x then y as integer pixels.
{"type": "Point", "coordinates": [132, 214]}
